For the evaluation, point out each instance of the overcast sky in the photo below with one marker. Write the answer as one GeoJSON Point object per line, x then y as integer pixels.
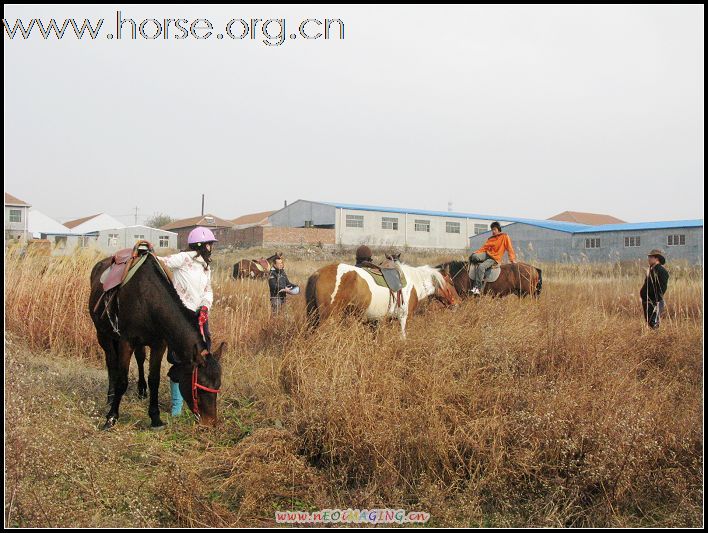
{"type": "Point", "coordinates": [518, 110]}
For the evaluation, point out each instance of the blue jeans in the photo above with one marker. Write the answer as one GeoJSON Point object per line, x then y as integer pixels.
{"type": "Point", "coordinates": [484, 262]}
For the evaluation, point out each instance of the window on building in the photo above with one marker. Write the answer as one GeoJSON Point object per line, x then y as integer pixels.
{"type": "Point", "coordinates": [355, 221]}
{"type": "Point", "coordinates": [83, 241]}
{"type": "Point", "coordinates": [15, 215]}
{"type": "Point", "coordinates": [676, 240]}
{"type": "Point", "coordinates": [60, 243]}
{"type": "Point", "coordinates": [632, 241]}
{"type": "Point", "coordinates": [422, 225]}
{"type": "Point", "coordinates": [139, 237]}
{"type": "Point", "coordinates": [112, 240]}
{"type": "Point", "coordinates": [308, 223]}
{"type": "Point", "coordinates": [480, 228]}
{"type": "Point", "coordinates": [592, 243]}
{"type": "Point", "coordinates": [164, 241]}
{"type": "Point", "coordinates": [452, 227]}
{"type": "Point", "coordinates": [389, 223]}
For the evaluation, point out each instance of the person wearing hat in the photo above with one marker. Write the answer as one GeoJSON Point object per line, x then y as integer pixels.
{"type": "Point", "coordinates": [192, 280]}
{"type": "Point", "coordinates": [280, 285]}
{"type": "Point", "coordinates": [363, 256]}
{"type": "Point", "coordinates": [654, 288]}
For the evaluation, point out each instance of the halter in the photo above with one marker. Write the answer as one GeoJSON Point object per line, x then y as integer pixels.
{"type": "Point", "coordinates": [195, 386]}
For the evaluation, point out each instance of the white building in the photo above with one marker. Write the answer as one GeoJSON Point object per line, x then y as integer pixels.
{"type": "Point", "coordinates": [387, 226]}
{"type": "Point", "coordinates": [93, 223]}
{"type": "Point", "coordinates": [15, 219]}
{"type": "Point", "coordinates": [110, 240]}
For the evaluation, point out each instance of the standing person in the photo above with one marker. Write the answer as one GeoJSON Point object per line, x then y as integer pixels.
{"type": "Point", "coordinates": [192, 280]}
{"type": "Point", "coordinates": [280, 285]}
{"type": "Point", "coordinates": [654, 288]}
{"type": "Point", "coordinates": [490, 255]}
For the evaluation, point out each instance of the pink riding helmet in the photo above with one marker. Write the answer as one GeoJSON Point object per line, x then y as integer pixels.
{"type": "Point", "coordinates": [200, 234]}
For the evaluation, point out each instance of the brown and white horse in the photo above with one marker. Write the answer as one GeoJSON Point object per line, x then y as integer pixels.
{"type": "Point", "coordinates": [255, 268]}
{"type": "Point", "coordinates": [341, 287]}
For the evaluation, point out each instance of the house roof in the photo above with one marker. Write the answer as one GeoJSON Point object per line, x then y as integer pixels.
{"type": "Point", "coordinates": [568, 227]}
{"type": "Point", "coordinates": [73, 223]}
{"type": "Point", "coordinates": [199, 221]}
{"type": "Point", "coordinates": [38, 222]}
{"type": "Point", "coordinates": [666, 224]}
{"type": "Point", "coordinates": [12, 200]}
{"type": "Point", "coordinates": [252, 218]}
{"type": "Point", "coordinates": [592, 219]}
{"type": "Point", "coordinates": [549, 224]}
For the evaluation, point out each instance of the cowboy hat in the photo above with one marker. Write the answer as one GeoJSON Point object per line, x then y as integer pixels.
{"type": "Point", "coordinates": [657, 253]}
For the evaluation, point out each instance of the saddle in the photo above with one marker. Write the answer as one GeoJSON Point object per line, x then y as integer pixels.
{"type": "Point", "coordinates": [261, 264]}
{"type": "Point", "coordinates": [490, 276]}
{"type": "Point", "coordinates": [387, 274]}
{"type": "Point", "coordinates": [121, 264]}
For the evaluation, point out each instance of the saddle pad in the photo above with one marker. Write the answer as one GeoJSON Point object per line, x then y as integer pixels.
{"type": "Point", "coordinates": [490, 276]}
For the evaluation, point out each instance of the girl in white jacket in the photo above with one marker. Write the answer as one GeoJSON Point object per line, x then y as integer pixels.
{"type": "Point", "coordinates": [192, 280]}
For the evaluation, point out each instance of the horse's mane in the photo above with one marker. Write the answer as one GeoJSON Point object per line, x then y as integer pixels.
{"type": "Point", "coordinates": [186, 312]}
{"type": "Point", "coordinates": [453, 266]}
{"type": "Point", "coordinates": [433, 272]}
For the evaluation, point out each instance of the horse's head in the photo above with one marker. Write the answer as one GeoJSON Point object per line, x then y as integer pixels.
{"type": "Point", "coordinates": [394, 257]}
{"type": "Point", "coordinates": [445, 289]}
{"type": "Point", "coordinates": [199, 382]}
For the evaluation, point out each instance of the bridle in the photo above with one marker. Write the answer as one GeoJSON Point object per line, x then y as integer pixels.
{"type": "Point", "coordinates": [195, 386]}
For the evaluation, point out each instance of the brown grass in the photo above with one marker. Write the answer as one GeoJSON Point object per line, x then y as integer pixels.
{"type": "Point", "coordinates": [566, 411]}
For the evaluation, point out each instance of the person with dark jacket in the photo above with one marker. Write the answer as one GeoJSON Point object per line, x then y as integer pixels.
{"type": "Point", "coordinates": [280, 285]}
{"type": "Point", "coordinates": [654, 288]}
{"type": "Point", "coordinates": [363, 256]}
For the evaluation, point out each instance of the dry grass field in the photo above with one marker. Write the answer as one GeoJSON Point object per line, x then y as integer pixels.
{"type": "Point", "coordinates": [562, 411]}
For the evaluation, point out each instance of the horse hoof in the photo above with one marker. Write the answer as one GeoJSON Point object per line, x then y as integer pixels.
{"type": "Point", "coordinates": [110, 422]}
{"type": "Point", "coordinates": [158, 427]}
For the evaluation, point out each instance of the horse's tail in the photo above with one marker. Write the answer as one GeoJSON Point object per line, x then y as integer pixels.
{"type": "Point", "coordinates": [236, 270]}
{"type": "Point", "coordinates": [539, 284]}
{"type": "Point", "coordinates": [313, 314]}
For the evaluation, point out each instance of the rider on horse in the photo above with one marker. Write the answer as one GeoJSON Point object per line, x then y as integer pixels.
{"type": "Point", "coordinates": [490, 255]}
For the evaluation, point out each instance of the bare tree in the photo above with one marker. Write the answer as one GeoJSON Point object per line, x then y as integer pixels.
{"type": "Point", "coordinates": [158, 220]}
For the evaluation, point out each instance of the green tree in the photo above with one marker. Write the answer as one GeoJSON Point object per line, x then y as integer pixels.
{"type": "Point", "coordinates": [158, 220]}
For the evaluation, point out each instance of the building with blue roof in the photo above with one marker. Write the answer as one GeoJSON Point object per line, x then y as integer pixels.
{"type": "Point", "coordinates": [535, 240]}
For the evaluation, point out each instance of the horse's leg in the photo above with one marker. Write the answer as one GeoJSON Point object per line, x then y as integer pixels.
{"type": "Point", "coordinates": [140, 359]}
{"type": "Point", "coordinates": [157, 351]}
{"type": "Point", "coordinates": [109, 349]}
{"type": "Point", "coordinates": [120, 373]}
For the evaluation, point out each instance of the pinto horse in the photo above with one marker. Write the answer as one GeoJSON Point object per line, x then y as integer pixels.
{"type": "Point", "coordinates": [249, 268]}
{"type": "Point", "coordinates": [521, 279]}
{"type": "Point", "coordinates": [342, 287]}
{"type": "Point", "coordinates": [149, 312]}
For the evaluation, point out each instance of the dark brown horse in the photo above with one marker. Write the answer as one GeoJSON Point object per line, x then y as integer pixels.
{"type": "Point", "coordinates": [255, 268]}
{"type": "Point", "coordinates": [521, 279]}
{"type": "Point", "coordinates": [147, 311]}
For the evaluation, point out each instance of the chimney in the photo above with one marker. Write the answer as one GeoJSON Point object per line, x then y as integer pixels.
{"type": "Point", "coordinates": [202, 205]}
{"type": "Point", "coordinates": [285, 203]}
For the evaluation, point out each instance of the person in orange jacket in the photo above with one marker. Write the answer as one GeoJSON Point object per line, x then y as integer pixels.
{"type": "Point", "coordinates": [490, 255]}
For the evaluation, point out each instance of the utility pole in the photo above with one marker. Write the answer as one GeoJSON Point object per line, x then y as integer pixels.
{"type": "Point", "coordinates": [202, 205]}
{"type": "Point", "coordinates": [136, 215]}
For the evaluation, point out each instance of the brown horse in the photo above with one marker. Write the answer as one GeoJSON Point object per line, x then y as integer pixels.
{"type": "Point", "coordinates": [147, 311]}
{"type": "Point", "coordinates": [341, 287]}
{"type": "Point", "coordinates": [521, 279]}
{"type": "Point", "coordinates": [255, 268]}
